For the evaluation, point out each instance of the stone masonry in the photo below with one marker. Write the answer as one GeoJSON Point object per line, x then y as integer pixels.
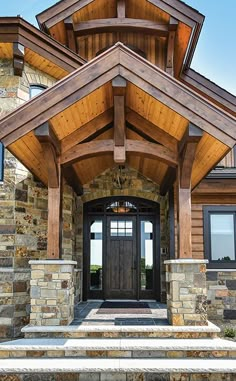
{"type": "Point", "coordinates": [186, 292]}
{"type": "Point", "coordinates": [52, 292]}
{"type": "Point", "coordinates": [221, 285]}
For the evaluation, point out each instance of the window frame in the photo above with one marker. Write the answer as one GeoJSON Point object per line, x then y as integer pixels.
{"type": "Point", "coordinates": [34, 86]}
{"type": "Point", "coordinates": [207, 212]}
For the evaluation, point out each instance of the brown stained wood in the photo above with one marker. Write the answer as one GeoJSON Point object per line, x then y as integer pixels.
{"type": "Point", "coordinates": [119, 154]}
{"type": "Point", "coordinates": [171, 46]}
{"type": "Point", "coordinates": [119, 120]}
{"type": "Point", "coordinates": [86, 131]}
{"type": "Point", "coordinates": [71, 40]}
{"type": "Point", "coordinates": [168, 181]}
{"type": "Point", "coordinates": [151, 130]}
{"type": "Point", "coordinates": [184, 223]}
{"type": "Point", "coordinates": [45, 134]}
{"type": "Point", "coordinates": [54, 222]}
{"type": "Point", "coordinates": [18, 58]}
{"type": "Point", "coordinates": [121, 4]}
{"type": "Point", "coordinates": [72, 179]}
{"type": "Point", "coordinates": [85, 150]}
{"type": "Point", "coordinates": [120, 25]}
{"type": "Point", "coordinates": [187, 150]}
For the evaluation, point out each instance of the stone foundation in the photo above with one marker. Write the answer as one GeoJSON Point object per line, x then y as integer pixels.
{"type": "Point", "coordinates": [221, 285]}
{"type": "Point", "coordinates": [52, 292]}
{"type": "Point", "coordinates": [186, 292]}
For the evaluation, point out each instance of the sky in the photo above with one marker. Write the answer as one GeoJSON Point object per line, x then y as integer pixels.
{"type": "Point", "coordinates": [215, 56]}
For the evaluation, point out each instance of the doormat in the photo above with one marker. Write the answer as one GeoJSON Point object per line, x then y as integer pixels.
{"type": "Point", "coordinates": [124, 308]}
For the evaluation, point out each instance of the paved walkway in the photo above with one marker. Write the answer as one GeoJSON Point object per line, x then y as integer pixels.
{"type": "Point", "coordinates": [86, 314]}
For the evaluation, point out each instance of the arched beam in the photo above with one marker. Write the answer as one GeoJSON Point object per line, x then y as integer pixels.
{"type": "Point", "coordinates": [95, 148]}
{"type": "Point", "coordinates": [121, 25]}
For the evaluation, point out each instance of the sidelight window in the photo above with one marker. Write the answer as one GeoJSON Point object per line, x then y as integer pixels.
{"type": "Point", "coordinates": [96, 248]}
{"type": "Point", "coordinates": [146, 255]}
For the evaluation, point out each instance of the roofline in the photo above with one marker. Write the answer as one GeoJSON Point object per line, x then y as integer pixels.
{"type": "Point", "coordinates": [16, 29]}
{"type": "Point", "coordinates": [211, 115]}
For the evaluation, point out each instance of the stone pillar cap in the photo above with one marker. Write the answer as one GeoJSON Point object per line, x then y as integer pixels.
{"type": "Point", "coordinates": [186, 261]}
{"type": "Point", "coordinates": [52, 262]}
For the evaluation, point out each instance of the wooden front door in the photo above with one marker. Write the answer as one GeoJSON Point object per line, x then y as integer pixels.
{"type": "Point", "coordinates": [121, 258]}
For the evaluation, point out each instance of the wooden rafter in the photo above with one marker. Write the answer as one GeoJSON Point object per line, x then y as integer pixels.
{"type": "Point", "coordinates": [95, 148]}
{"type": "Point", "coordinates": [151, 130]}
{"type": "Point", "coordinates": [71, 40]}
{"type": "Point", "coordinates": [88, 130]}
{"type": "Point", "coordinates": [121, 25]}
{"type": "Point", "coordinates": [18, 58]}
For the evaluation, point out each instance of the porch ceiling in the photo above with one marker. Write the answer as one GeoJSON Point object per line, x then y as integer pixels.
{"type": "Point", "coordinates": [158, 109]}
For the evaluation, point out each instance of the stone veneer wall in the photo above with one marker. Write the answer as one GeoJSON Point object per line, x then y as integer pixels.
{"type": "Point", "coordinates": [221, 286]}
{"type": "Point", "coordinates": [140, 186]}
{"type": "Point", "coordinates": [23, 213]}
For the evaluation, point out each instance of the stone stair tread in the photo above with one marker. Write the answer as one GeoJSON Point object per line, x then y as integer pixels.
{"type": "Point", "coordinates": [210, 328]}
{"type": "Point", "coordinates": [166, 344]}
{"type": "Point", "coordinates": [34, 365]}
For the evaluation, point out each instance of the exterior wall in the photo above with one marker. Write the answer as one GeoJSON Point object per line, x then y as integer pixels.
{"type": "Point", "coordinates": [103, 186]}
{"type": "Point", "coordinates": [23, 213]}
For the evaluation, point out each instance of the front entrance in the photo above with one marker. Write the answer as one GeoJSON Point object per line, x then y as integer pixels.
{"type": "Point", "coordinates": [121, 258]}
{"type": "Point", "coordinates": [121, 249]}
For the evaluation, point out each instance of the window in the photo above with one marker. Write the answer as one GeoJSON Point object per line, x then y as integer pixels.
{"type": "Point", "coordinates": [121, 228]}
{"type": "Point", "coordinates": [36, 90]}
{"type": "Point", "coordinates": [219, 236]}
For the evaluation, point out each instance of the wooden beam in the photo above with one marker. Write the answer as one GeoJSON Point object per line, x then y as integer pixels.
{"type": "Point", "coordinates": [95, 148]}
{"type": "Point", "coordinates": [173, 24]}
{"type": "Point", "coordinates": [119, 88]}
{"type": "Point", "coordinates": [88, 130]}
{"type": "Point", "coordinates": [54, 221]}
{"type": "Point", "coordinates": [73, 180]}
{"type": "Point", "coordinates": [121, 8]}
{"type": "Point", "coordinates": [18, 58]}
{"type": "Point", "coordinates": [168, 181]}
{"type": "Point", "coordinates": [71, 40]}
{"type": "Point", "coordinates": [187, 150]}
{"type": "Point", "coordinates": [121, 25]}
{"type": "Point", "coordinates": [45, 134]}
{"type": "Point", "coordinates": [151, 130]}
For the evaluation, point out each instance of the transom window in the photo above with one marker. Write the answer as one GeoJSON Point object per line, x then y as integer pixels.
{"type": "Point", "coordinates": [219, 236]}
{"type": "Point", "coordinates": [121, 228]}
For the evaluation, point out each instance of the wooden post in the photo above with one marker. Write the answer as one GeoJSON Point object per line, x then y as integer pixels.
{"type": "Point", "coordinates": [187, 150]}
{"type": "Point", "coordinates": [119, 89]}
{"type": "Point", "coordinates": [71, 40]}
{"type": "Point", "coordinates": [171, 46]}
{"type": "Point", "coordinates": [51, 148]}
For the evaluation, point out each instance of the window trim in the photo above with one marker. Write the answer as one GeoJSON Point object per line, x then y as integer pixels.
{"type": "Point", "coordinates": [207, 211]}
{"type": "Point", "coordinates": [35, 86]}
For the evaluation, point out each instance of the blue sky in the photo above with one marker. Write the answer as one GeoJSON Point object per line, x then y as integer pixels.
{"type": "Point", "coordinates": [215, 56]}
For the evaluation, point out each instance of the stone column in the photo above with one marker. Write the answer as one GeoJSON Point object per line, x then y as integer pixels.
{"type": "Point", "coordinates": [52, 292]}
{"type": "Point", "coordinates": [186, 292]}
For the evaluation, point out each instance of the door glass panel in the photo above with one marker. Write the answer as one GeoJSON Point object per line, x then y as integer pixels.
{"type": "Point", "coordinates": [121, 228]}
{"type": "Point", "coordinates": [146, 255]}
{"type": "Point", "coordinates": [96, 255]}
{"type": "Point", "coordinates": [222, 237]}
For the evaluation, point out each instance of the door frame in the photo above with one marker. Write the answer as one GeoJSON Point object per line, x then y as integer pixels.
{"type": "Point", "coordinates": [96, 209]}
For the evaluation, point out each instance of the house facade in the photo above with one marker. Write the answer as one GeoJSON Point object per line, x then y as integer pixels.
{"type": "Point", "coordinates": [119, 165]}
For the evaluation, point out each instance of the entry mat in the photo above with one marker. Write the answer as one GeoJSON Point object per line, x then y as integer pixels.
{"type": "Point", "coordinates": [124, 308]}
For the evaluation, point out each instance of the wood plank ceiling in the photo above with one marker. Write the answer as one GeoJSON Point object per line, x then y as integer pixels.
{"type": "Point", "coordinates": [98, 108]}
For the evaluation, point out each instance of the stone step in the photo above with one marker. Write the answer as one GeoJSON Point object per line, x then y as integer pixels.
{"type": "Point", "coordinates": [106, 331]}
{"type": "Point", "coordinates": [123, 366]}
{"type": "Point", "coordinates": [122, 348]}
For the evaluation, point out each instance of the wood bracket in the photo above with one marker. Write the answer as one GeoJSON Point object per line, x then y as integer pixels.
{"type": "Point", "coordinates": [168, 181]}
{"type": "Point", "coordinates": [18, 58]}
{"type": "Point", "coordinates": [119, 89]}
{"type": "Point", "coordinates": [72, 179]}
{"type": "Point", "coordinates": [51, 148]}
{"type": "Point", "coordinates": [71, 40]}
{"type": "Point", "coordinates": [173, 24]}
{"type": "Point", "coordinates": [187, 150]}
